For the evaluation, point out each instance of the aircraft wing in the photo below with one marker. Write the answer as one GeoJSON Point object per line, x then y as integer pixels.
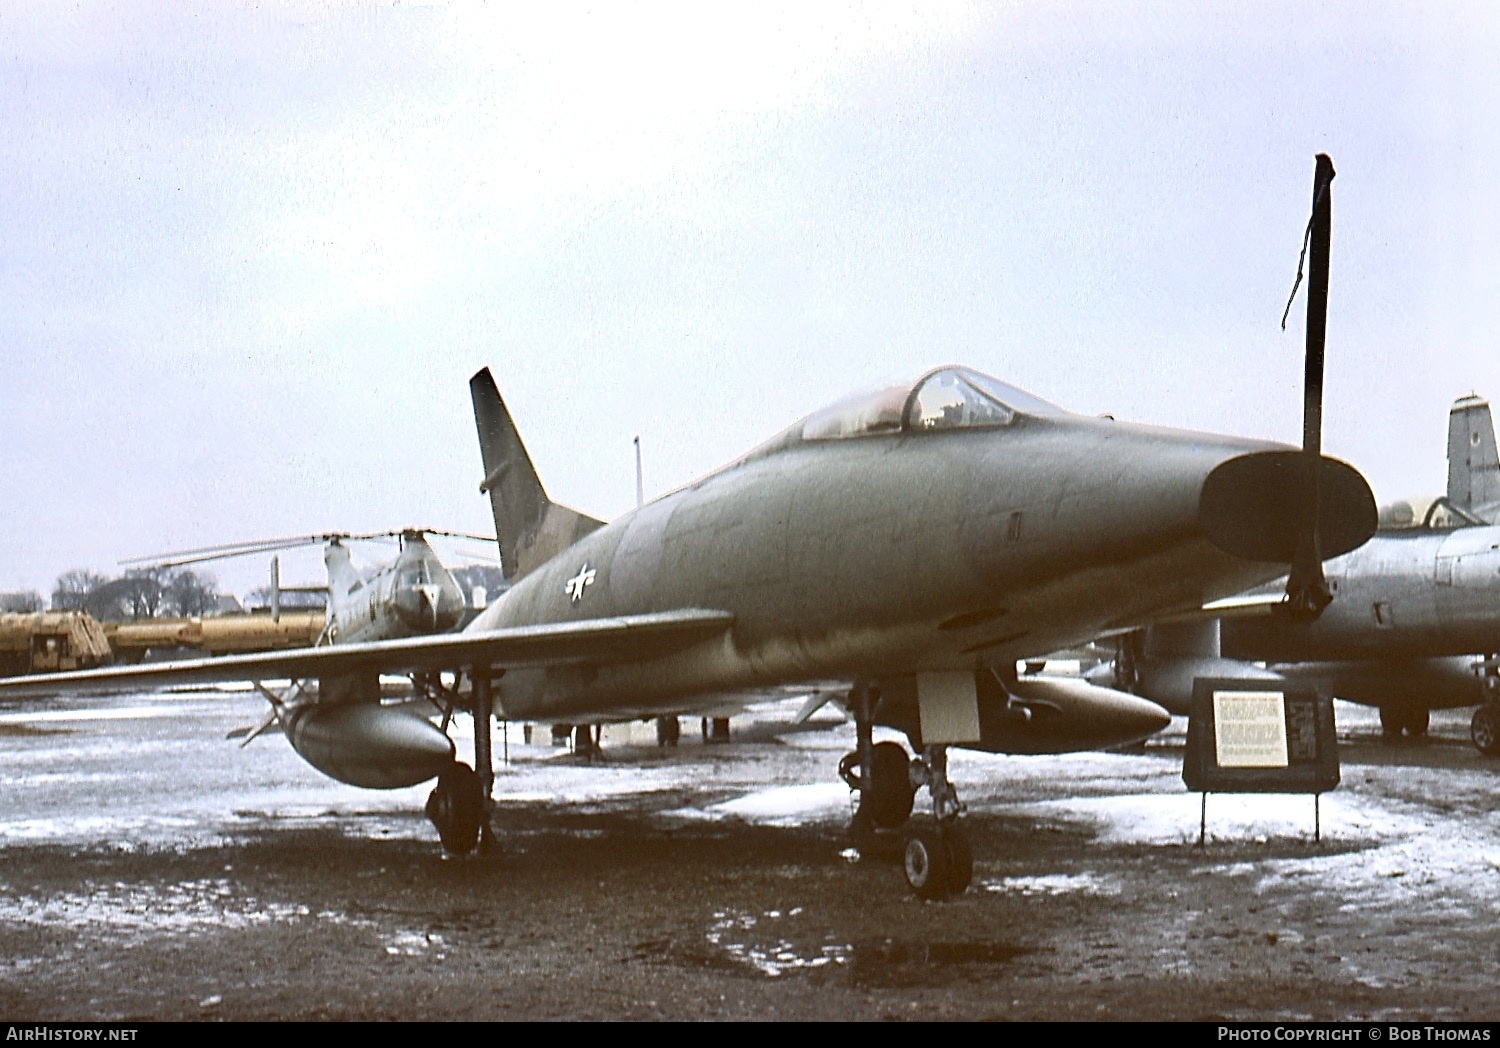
{"type": "Point", "coordinates": [595, 641]}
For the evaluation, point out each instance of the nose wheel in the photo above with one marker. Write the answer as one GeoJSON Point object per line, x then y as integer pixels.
{"type": "Point", "coordinates": [938, 861]}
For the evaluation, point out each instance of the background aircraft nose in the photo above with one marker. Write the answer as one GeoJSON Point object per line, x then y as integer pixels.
{"type": "Point", "coordinates": [429, 607]}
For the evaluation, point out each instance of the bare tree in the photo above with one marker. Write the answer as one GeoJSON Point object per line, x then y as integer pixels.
{"type": "Point", "coordinates": [141, 593]}
{"type": "Point", "coordinates": [73, 589]}
{"type": "Point", "coordinates": [187, 592]}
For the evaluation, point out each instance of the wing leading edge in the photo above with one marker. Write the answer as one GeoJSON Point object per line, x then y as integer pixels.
{"type": "Point", "coordinates": [596, 641]}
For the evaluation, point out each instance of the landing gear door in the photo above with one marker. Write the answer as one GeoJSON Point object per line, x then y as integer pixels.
{"type": "Point", "coordinates": [948, 702]}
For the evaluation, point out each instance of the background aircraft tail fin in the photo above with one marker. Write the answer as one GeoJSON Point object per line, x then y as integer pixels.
{"type": "Point", "coordinates": [1473, 463]}
{"type": "Point", "coordinates": [531, 527]}
{"type": "Point", "coordinates": [342, 577]}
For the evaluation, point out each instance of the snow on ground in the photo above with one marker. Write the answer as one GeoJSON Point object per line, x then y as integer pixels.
{"type": "Point", "coordinates": [158, 770]}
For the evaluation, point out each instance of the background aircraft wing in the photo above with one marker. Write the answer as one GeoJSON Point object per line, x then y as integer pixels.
{"type": "Point", "coordinates": [596, 641]}
{"type": "Point", "coordinates": [1256, 603]}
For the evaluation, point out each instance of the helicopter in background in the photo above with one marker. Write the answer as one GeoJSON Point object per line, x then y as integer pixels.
{"type": "Point", "coordinates": [413, 595]}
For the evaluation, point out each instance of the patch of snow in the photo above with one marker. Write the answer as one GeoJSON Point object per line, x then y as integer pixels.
{"type": "Point", "coordinates": [1056, 884]}
{"type": "Point", "coordinates": [789, 805]}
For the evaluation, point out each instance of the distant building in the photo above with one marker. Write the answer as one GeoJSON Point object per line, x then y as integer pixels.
{"type": "Point", "coordinates": [21, 601]}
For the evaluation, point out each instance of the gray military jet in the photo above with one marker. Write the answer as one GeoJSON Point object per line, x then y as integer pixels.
{"type": "Point", "coordinates": [1414, 626]}
{"type": "Point", "coordinates": [912, 543]}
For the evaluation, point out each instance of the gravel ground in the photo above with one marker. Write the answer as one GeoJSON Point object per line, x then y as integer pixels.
{"type": "Point", "coordinates": [717, 882]}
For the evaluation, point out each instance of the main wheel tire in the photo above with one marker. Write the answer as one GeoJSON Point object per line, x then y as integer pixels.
{"type": "Point", "coordinates": [1417, 720]}
{"type": "Point", "coordinates": [891, 794]}
{"type": "Point", "coordinates": [668, 731]}
{"type": "Point", "coordinates": [1392, 721]}
{"type": "Point", "coordinates": [456, 808]}
{"type": "Point", "coordinates": [927, 863]}
{"type": "Point", "coordinates": [960, 859]}
{"type": "Point", "coordinates": [1484, 729]}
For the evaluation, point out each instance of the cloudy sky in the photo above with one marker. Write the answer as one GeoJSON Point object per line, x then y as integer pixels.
{"type": "Point", "coordinates": [251, 254]}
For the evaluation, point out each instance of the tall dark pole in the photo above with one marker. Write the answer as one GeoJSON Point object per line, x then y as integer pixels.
{"type": "Point", "coordinates": [1317, 307]}
{"type": "Point", "coordinates": [1307, 590]}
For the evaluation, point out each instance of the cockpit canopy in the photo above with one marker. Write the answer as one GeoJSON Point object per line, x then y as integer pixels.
{"type": "Point", "coordinates": [1425, 513]}
{"type": "Point", "coordinates": [948, 398]}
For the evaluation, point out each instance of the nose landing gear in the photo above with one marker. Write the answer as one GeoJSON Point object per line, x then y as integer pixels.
{"type": "Point", "coordinates": [939, 861]}
{"type": "Point", "coordinates": [1484, 729]}
{"type": "Point", "coordinates": [936, 857]}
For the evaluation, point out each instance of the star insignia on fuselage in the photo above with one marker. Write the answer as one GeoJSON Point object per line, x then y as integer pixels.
{"type": "Point", "coordinates": [578, 583]}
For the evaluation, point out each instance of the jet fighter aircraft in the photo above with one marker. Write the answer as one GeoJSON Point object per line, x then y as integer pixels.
{"type": "Point", "coordinates": [912, 543]}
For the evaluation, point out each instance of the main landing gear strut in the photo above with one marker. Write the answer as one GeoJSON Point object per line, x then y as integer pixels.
{"type": "Point", "coordinates": [459, 804]}
{"type": "Point", "coordinates": [938, 861]}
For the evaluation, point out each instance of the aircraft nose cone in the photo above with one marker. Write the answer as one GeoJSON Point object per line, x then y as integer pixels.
{"type": "Point", "coordinates": [1250, 506]}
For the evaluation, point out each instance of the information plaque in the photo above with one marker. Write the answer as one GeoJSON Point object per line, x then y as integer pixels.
{"type": "Point", "coordinates": [1259, 736]}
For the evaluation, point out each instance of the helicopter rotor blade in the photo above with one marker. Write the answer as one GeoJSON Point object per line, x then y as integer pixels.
{"type": "Point", "coordinates": [227, 550]}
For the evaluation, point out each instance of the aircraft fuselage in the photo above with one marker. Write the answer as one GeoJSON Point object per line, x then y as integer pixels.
{"type": "Point", "coordinates": [890, 554]}
{"type": "Point", "coordinates": [1429, 593]}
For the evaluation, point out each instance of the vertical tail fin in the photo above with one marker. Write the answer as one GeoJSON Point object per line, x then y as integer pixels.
{"type": "Point", "coordinates": [341, 574]}
{"type": "Point", "coordinates": [1473, 463]}
{"type": "Point", "coordinates": [532, 528]}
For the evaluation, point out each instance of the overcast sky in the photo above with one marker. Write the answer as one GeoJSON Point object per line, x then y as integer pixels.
{"type": "Point", "coordinates": [251, 255]}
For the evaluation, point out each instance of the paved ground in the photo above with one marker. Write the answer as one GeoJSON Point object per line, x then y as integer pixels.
{"type": "Point", "coordinates": [150, 869]}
